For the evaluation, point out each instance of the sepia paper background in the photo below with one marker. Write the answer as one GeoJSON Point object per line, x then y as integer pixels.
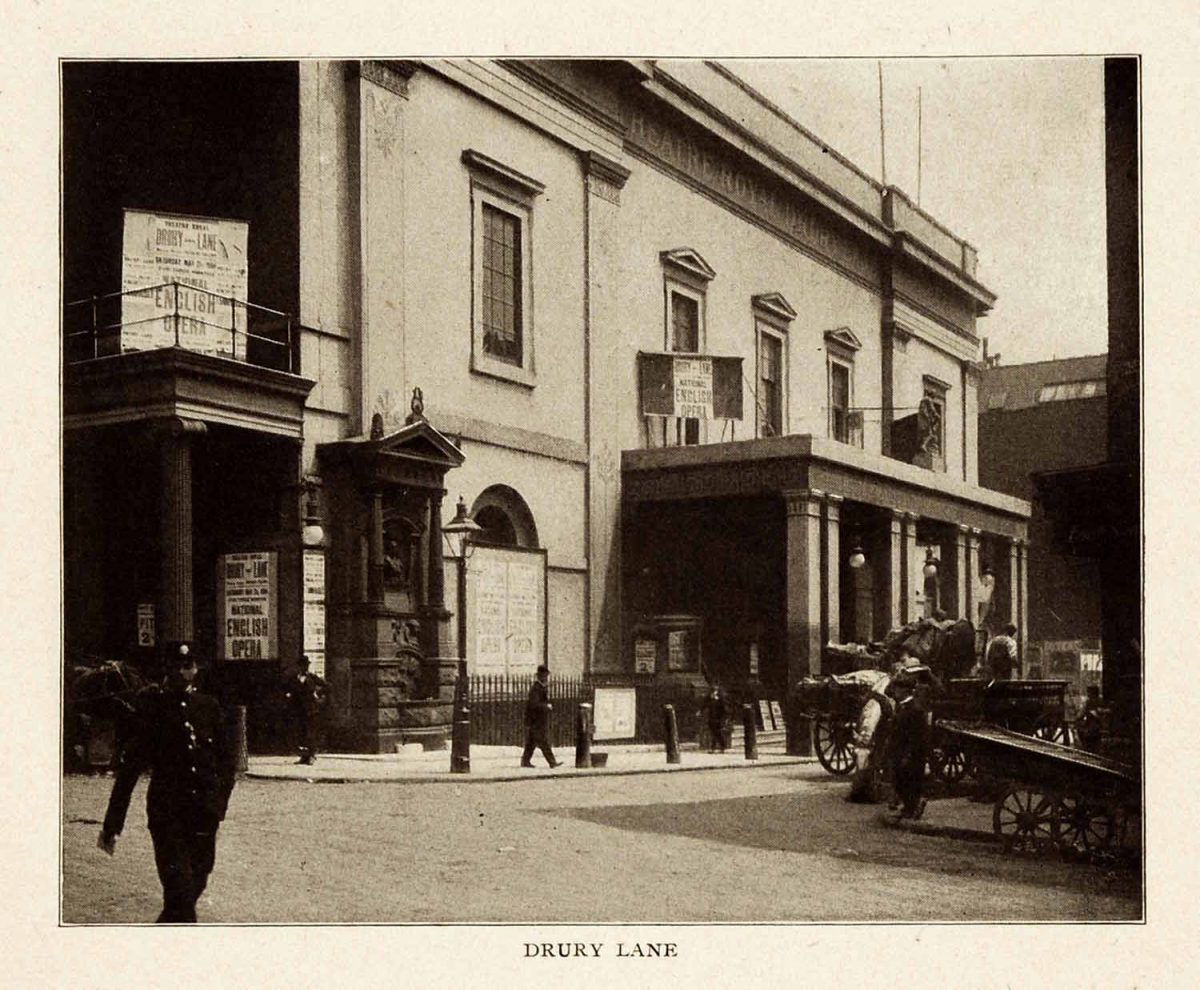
{"type": "Point", "coordinates": [1159, 953]}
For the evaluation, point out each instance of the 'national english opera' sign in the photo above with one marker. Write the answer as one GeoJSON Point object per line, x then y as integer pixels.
{"type": "Point", "coordinates": [248, 597]}
{"type": "Point", "coordinates": [184, 276]}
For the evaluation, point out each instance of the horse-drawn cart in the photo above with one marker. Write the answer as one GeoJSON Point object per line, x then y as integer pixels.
{"type": "Point", "coordinates": [834, 708]}
{"type": "Point", "coordinates": [1052, 795]}
{"type": "Point", "coordinates": [1032, 708]}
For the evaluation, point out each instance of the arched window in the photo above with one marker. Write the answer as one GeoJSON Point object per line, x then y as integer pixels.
{"type": "Point", "coordinates": [505, 518]}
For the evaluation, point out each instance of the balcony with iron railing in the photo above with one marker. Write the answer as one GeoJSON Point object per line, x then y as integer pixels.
{"type": "Point", "coordinates": [175, 314]}
{"type": "Point", "coordinates": [177, 349]}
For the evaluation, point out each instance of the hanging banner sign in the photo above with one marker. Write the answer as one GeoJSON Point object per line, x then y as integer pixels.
{"type": "Point", "coordinates": [691, 387]}
{"type": "Point", "coordinates": [183, 282]}
{"type": "Point", "coordinates": [247, 593]}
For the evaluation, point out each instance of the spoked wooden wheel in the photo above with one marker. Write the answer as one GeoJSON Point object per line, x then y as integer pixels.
{"type": "Point", "coordinates": [948, 763]}
{"type": "Point", "coordinates": [1026, 819]}
{"type": "Point", "coordinates": [835, 749]}
{"type": "Point", "coordinates": [1052, 729]}
{"type": "Point", "coordinates": [1083, 825]}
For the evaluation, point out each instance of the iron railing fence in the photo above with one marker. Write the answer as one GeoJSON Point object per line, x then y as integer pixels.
{"type": "Point", "coordinates": [175, 314]}
{"type": "Point", "coordinates": [497, 704]}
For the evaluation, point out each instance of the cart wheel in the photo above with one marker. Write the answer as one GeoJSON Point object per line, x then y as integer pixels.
{"type": "Point", "coordinates": [1025, 819]}
{"type": "Point", "coordinates": [1083, 825]}
{"type": "Point", "coordinates": [1052, 729]}
{"type": "Point", "coordinates": [948, 763]}
{"type": "Point", "coordinates": [835, 750]}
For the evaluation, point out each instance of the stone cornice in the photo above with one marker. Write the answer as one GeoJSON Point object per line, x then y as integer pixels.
{"type": "Point", "coordinates": [602, 167]}
{"type": "Point", "coordinates": [390, 74]}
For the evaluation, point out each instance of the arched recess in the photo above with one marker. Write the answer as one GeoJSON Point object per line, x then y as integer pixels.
{"type": "Point", "coordinates": [505, 518]}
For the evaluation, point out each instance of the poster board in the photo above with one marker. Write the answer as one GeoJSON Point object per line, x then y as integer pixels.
{"type": "Point", "coordinates": [764, 713]}
{"type": "Point", "coordinates": [615, 714]}
{"type": "Point", "coordinates": [506, 610]}
{"type": "Point", "coordinates": [777, 714]}
{"type": "Point", "coordinates": [645, 655]}
{"type": "Point", "coordinates": [206, 257]}
{"type": "Point", "coordinates": [248, 606]}
{"type": "Point", "coordinates": [314, 610]}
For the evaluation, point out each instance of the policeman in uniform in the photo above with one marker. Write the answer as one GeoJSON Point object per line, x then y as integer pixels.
{"type": "Point", "coordinates": [178, 735]}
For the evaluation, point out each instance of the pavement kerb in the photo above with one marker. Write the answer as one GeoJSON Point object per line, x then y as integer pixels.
{"type": "Point", "coordinates": [488, 776]}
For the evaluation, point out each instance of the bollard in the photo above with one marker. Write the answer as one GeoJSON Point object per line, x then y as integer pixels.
{"type": "Point", "coordinates": [750, 732]}
{"type": "Point", "coordinates": [583, 735]}
{"type": "Point", "coordinates": [239, 728]}
{"type": "Point", "coordinates": [460, 741]}
{"type": "Point", "coordinates": [671, 733]}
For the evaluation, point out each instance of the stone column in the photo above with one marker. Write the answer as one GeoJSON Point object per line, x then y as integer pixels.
{"type": "Point", "coordinates": [375, 550]}
{"type": "Point", "coordinates": [908, 590]}
{"type": "Point", "coordinates": [803, 604]}
{"type": "Point", "coordinates": [1022, 623]}
{"type": "Point", "coordinates": [605, 380]}
{"type": "Point", "coordinates": [972, 580]}
{"type": "Point", "coordinates": [176, 584]}
{"type": "Point", "coordinates": [1014, 584]}
{"type": "Point", "coordinates": [436, 585]}
{"type": "Point", "coordinates": [833, 569]}
{"type": "Point", "coordinates": [962, 574]}
{"type": "Point", "coordinates": [893, 593]}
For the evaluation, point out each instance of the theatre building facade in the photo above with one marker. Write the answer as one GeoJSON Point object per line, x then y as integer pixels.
{"type": "Point", "coordinates": [708, 390]}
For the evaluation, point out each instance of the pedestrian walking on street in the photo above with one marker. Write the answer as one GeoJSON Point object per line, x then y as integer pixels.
{"type": "Point", "coordinates": [537, 720]}
{"type": "Point", "coordinates": [305, 695]}
{"type": "Point", "coordinates": [1001, 654]}
{"type": "Point", "coordinates": [910, 747]}
{"type": "Point", "coordinates": [179, 735]}
{"type": "Point", "coordinates": [716, 714]}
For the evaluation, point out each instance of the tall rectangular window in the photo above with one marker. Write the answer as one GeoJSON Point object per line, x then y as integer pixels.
{"type": "Point", "coordinates": [685, 323]}
{"type": "Point", "coordinates": [770, 384]}
{"type": "Point", "coordinates": [685, 337]}
{"type": "Point", "coordinates": [501, 288]}
{"type": "Point", "coordinates": [839, 401]}
{"type": "Point", "coordinates": [502, 299]}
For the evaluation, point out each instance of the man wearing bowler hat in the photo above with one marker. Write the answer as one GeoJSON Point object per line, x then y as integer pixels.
{"type": "Point", "coordinates": [537, 720]}
{"type": "Point", "coordinates": [178, 735]}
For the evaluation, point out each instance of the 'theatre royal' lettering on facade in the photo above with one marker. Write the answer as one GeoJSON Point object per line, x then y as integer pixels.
{"type": "Point", "coordinates": [705, 163]}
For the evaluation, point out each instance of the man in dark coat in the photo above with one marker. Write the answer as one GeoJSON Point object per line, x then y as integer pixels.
{"type": "Point", "coordinates": [909, 746]}
{"type": "Point", "coordinates": [179, 735]}
{"type": "Point", "coordinates": [537, 720]}
{"type": "Point", "coordinates": [716, 713]}
{"type": "Point", "coordinates": [305, 697]}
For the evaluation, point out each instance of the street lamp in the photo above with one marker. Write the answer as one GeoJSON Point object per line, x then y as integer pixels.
{"type": "Point", "coordinates": [930, 571]}
{"type": "Point", "coordinates": [460, 533]}
{"type": "Point", "coordinates": [312, 534]}
{"type": "Point", "coordinates": [857, 558]}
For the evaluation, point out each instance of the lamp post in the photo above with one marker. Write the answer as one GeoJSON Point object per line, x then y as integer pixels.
{"type": "Point", "coordinates": [459, 534]}
{"type": "Point", "coordinates": [930, 572]}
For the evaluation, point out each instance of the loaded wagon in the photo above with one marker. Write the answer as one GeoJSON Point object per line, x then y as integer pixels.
{"type": "Point", "coordinates": [1032, 708]}
{"type": "Point", "coordinates": [1052, 795]}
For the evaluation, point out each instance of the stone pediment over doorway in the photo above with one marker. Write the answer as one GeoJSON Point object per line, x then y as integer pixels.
{"type": "Point", "coordinates": [415, 454]}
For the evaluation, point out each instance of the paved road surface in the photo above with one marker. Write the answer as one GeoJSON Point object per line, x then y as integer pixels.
{"type": "Point", "coordinates": [765, 844]}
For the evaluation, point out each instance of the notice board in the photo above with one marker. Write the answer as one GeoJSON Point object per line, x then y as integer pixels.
{"type": "Point", "coordinates": [615, 714]}
{"type": "Point", "coordinates": [506, 610]}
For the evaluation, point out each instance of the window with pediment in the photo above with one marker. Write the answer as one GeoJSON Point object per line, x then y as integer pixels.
{"type": "Point", "coordinates": [502, 201]}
